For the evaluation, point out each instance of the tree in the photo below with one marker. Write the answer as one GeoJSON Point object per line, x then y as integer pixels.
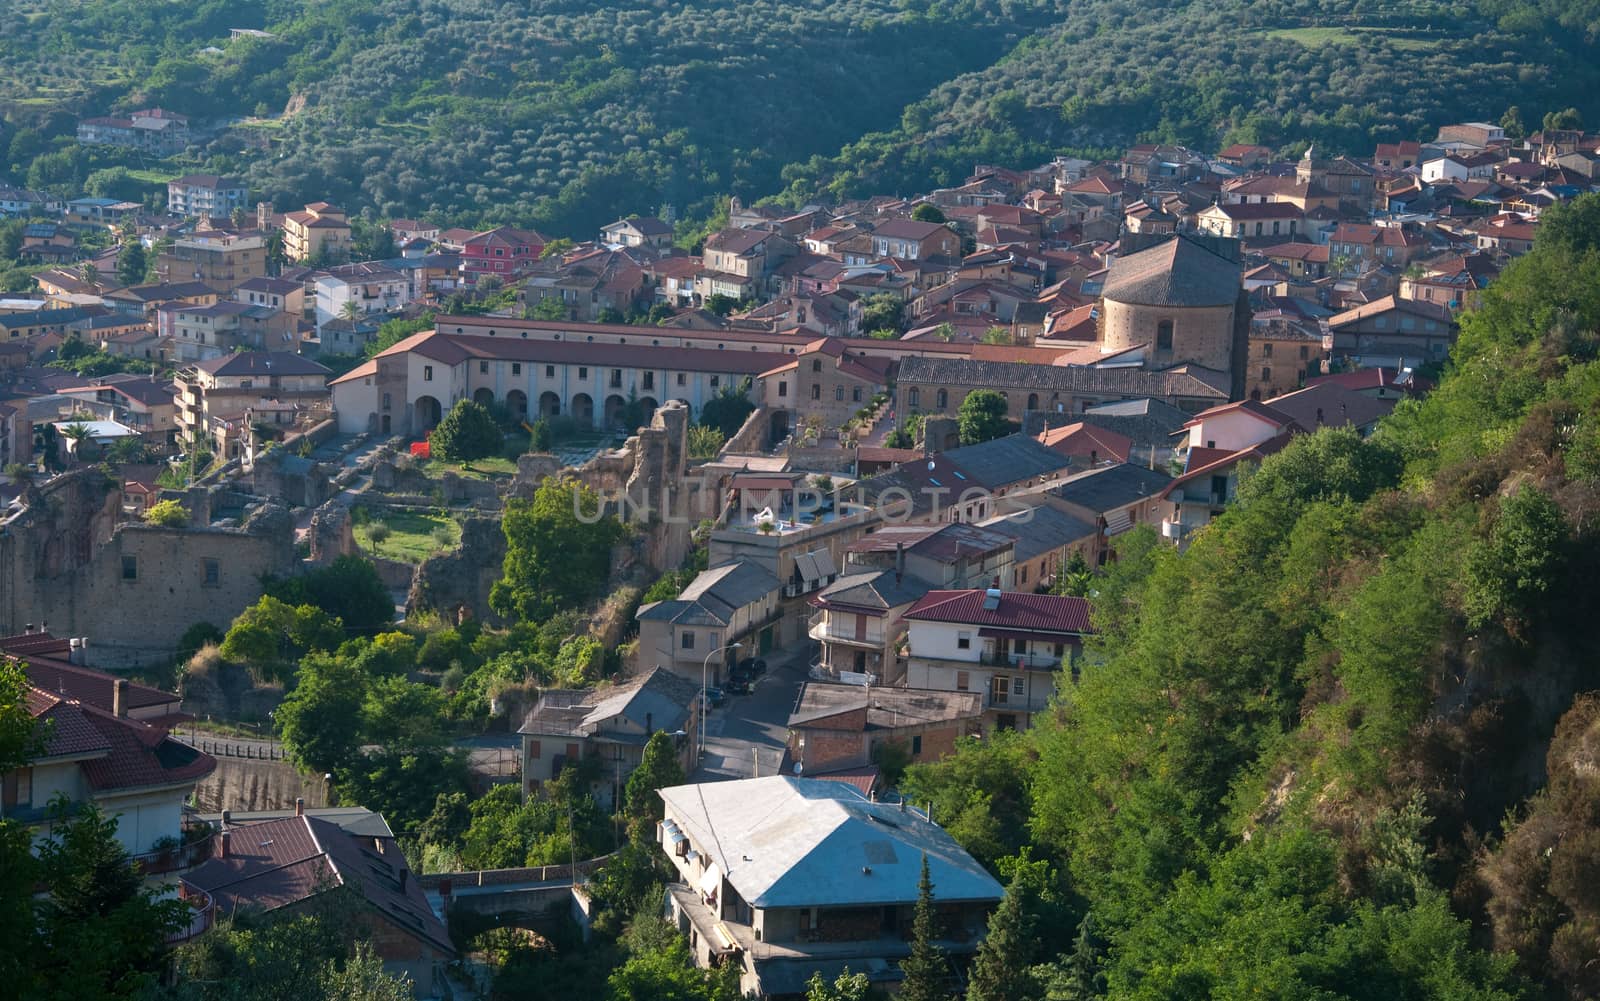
{"type": "Point", "coordinates": [846, 986]}
{"type": "Point", "coordinates": [728, 410]}
{"type": "Point", "coordinates": [540, 439]}
{"type": "Point", "coordinates": [882, 311]}
{"type": "Point", "coordinates": [926, 974]}
{"type": "Point", "coordinates": [1569, 119]}
{"type": "Point", "coordinates": [705, 442]}
{"type": "Point", "coordinates": [982, 417]}
{"type": "Point", "coordinates": [167, 514]}
{"type": "Point", "coordinates": [658, 768]}
{"type": "Point", "coordinates": [467, 432]}
{"type": "Point", "coordinates": [556, 248]}
{"type": "Point", "coordinates": [132, 263]}
{"type": "Point", "coordinates": [548, 308]}
{"type": "Point", "coordinates": [271, 635]}
{"type": "Point", "coordinates": [349, 589]}
{"type": "Point", "coordinates": [997, 335]}
{"type": "Point", "coordinates": [79, 435]}
{"type": "Point", "coordinates": [558, 551]}
{"type": "Point", "coordinates": [928, 212]}
{"type": "Point", "coordinates": [317, 720]}
{"type": "Point", "coordinates": [1511, 122]}
{"type": "Point", "coordinates": [1003, 967]}
{"type": "Point", "coordinates": [351, 310]}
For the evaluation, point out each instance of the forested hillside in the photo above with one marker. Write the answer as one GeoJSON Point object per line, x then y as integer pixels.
{"type": "Point", "coordinates": [1345, 746]}
{"type": "Point", "coordinates": [564, 114]}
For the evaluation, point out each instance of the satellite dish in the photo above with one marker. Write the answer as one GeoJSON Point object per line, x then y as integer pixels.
{"type": "Point", "coordinates": [930, 465]}
{"type": "Point", "coordinates": [799, 768]}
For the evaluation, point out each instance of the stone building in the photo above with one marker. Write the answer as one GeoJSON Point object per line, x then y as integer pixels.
{"type": "Point", "coordinates": [1182, 300]}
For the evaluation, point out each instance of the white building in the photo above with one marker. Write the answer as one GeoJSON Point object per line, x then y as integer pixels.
{"type": "Point", "coordinates": [373, 287]}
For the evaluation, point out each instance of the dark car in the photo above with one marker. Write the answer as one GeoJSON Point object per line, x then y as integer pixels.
{"type": "Point", "coordinates": [716, 696]}
{"type": "Point", "coordinates": [738, 685]}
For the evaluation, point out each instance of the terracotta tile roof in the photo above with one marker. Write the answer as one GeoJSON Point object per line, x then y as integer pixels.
{"type": "Point", "coordinates": [1048, 613]}
{"type": "Point", "coordinates": [1081, 439]}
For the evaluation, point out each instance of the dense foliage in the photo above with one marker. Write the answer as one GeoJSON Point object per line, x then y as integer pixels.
{"type": "Point", "coordinates": [1340, 746]}
{"type": "Point", "coordinates": [566, 115]}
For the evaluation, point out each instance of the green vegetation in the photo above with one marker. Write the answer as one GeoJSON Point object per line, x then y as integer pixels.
{"type": "Point", "coordinates": [558, 551]}
{"type": "Point", "coordinates": [411, 536]}
{"type": "Point", "coordinates": [467, 432]}
{"type": "Point", "coordinates": [982, 417]}
{"type": "Point", "coordinates": [1348, 725]}
{"type": "Point", "coordinates": [167, 514]}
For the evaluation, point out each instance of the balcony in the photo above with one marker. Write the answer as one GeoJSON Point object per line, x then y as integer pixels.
{"type": "Point", "coordinates": [204, 911]}
{"type": "Point", "coordinates": [818, 628]}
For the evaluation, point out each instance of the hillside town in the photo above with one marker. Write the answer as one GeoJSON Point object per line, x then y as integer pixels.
{"type": "Point", "coordinates": [709, 536]}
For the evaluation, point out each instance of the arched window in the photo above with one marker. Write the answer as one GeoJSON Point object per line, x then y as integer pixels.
{"type": "Point", "coordinates": [1033, 401]}
{"type": "Point", "coordinates": [1164, 335]}
{"type": "Point", "coordinates": [941, 400]}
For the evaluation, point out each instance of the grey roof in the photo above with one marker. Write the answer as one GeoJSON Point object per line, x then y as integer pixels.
{"type": "Point", "coordinates": [793, 842]}
{"type": "Point", "coordinates": [1004, 461]}
{"type": "Point", "coordinates": [887, 708]}
{"type": "Point", "coordinates": [1145, 421]}
{"type": "Point", "coordinates": [262, 363]}
{"type": "Point", "coordinates": [357, 820]}
{"type": "Point", "coordinates": [1102, 490]}
{"type": "Point", "coordinates": [817, 565]}
{"type": "Point", "coordinates": [1039, 530]}
{"type": "Point", "coordinates": [658, 700]}
{"type": "Point", "coordinates": [1177, 272]}
{"type": "Point", "coordinates": [715, 595]}
{"type": "Point", "coordinates": [953, 371]}
{"type": "Point", "coordinates": [877, 589]}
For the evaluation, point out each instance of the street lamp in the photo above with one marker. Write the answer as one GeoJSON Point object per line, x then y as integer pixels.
{"type": "Point", "coordinates": [705, 665]}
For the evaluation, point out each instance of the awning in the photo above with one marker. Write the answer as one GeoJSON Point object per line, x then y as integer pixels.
{"type": "Point", "coordinates": [711, 882]}
{"type": "Point", "coordinates": [1118, 522]}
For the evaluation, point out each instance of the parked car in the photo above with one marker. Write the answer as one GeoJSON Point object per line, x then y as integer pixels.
{"type": "Point", "coordinates": [738, 685]}
{"type": "Point", "coordinates": [715, 696]}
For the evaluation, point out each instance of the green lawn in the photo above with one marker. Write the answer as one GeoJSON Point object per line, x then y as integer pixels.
{"type": "Point", "coordinates": [1316, 38]}
{"type": "Point", "coordinates": [413, 535]}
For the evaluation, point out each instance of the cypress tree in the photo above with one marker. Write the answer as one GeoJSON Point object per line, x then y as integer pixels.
{"type": "Point", "coordinates": [925, 970]}
{"type": "Point", "coordinates": [1002, 970]}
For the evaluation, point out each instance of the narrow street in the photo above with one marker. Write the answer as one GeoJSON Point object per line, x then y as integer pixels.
{"type": "Point", "coordinates": [745, 736]}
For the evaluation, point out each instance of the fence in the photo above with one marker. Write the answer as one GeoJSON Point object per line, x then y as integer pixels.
{"type": "Point", "coordinates": [262, 750]}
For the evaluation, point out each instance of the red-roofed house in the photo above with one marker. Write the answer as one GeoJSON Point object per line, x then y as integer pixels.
{"type": "Point", "coordinates": [824, 378]}
{"type": "Point", "coordinates": [1006, 645]}
{"type": "Point", "coordinates": [1087, 444]}
{"type": "Point", "coordinates": [99, 749]}
{"type": "Point", "coordinates": [503, 252]}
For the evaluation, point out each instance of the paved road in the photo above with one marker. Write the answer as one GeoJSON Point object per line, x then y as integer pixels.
{"type": "Point", "coordinates": [753, 728]}
{"type": "Point", "coordinates": [487, 754]}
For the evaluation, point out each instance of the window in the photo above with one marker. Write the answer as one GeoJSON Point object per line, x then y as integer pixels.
{"type": "Point", "coordinates": [549, 371]}
{"type": "Point", "coordinates": [1266, 375]}
{"type": "Point", "coordinates": [941, 400]}
{"type": "Point", "coordinates": [1164, 335]}
{"type": "Point", "coordinates": [386, 401]}
{"type": "Point", "coordinates": [916, 746]}
{"type": "Point", "coordinates": [1023, 575]}
{"type": "Point", "coordinates": [534, 750]}
{"type": "Point", "coordinates": [583, 372]}
{"type": "Point", "coordinates": [516, 368]}
{"type": "Point", "coordinates": [1266, 350]}
{"type": "Point", "coordinates": [687, 642]}
{"type": "Point", "coordinates": [816, 392]}
{"type": "Point", "coordinates": [1000, 690]}
{"type": "Point", "coordinates": [572, 752]}
{"type": "Point", "coordinates": [838, 393]}
{"type": "Point", "coordinates": [783, 389]}
{"type": "Point", "coordinates": [855, 395]}
{"type": "Point", "coordinates": [649, 380]}
{"type": "Point", "coordinates": [963, 680]}
{"type": "Point", "coordinates": [816, 365]}
{"type": "Point", "coordinates": [212, 570]}
{"type": "Point", "coordinates": [427, 373]}
{"type": "Point", "coordinates": [963, 641]}
{"type": "Point", "coordinates": [716, 381]}
{"type": "Point", "coordinates": [683, 380]}
{"type": "Point", "coordinates": [130, 568]}
{"type": "Point", "coordinates": [914, 398]}
{"type": "Point", "coordinates": [1019, 686]}
{"type": "Point", "coordinates": [616, 378]}
{"type": "Point", "coordinates": [483, 368]}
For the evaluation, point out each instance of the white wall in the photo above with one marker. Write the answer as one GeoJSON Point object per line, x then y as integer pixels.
{"type": "Point", "coordinates": [1232, 431]}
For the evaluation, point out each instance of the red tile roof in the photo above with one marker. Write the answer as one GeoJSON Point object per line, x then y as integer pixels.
{"type": "Point", "coordinates": [1050, 613]}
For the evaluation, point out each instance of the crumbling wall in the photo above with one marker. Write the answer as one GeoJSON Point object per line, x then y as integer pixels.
{"type": "Point", "coordinates": [455, 585]}
{"type": "Point", "coordinates": [68, 562]}
{"type": "Point", "coordinates": [332, 533]}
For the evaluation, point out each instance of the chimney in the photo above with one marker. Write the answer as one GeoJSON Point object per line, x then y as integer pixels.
{"type": "Point", "coordinates": [27, 629]}
{"type": "Point", "coordinates": [74, 651]}
{"type": "Point", "coordinates": [299, 806]}
{"type": "Point", "coordinates": [119, 697]}
{"type": "Point", "coordinates": [899, 561]}
{"type": "Point", "coordinates": [227, 815]}
{"type": "Point", "coordinates": [222, 844]}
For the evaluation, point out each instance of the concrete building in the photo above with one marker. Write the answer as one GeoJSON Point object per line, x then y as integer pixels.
{"type": "Point", "coordinates": [788, 877]}
{"type": "Point", "coordinates": [151, 130]}
{"type": "Point", "coordinates": [215, 397]}
{"type": "Point", "coordinates": [732, 603]}
{"type": "Point", "coordinates": [1008, 646]}
{"type": "Point", "coordinates": [612, 724]}
{"type": "Point", "coordinates": [319, 229]}
{"type": "Point", "coordinates": [845, 727]}
{"type": "Point", "coordinates": [373, 286]}
{"type": "Point", "coordinates": [223, 261]}
{"type": "Point", "coordinates": [206, 195]}
{"type": "Point", "coordinates": [201, 333]}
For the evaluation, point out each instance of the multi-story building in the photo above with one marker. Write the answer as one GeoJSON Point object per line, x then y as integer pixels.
{"type": "Point", "coordinates": [318, 230]}
{"type": "Point", "coordinates": [216, 396]}
{"type": "Point", "coordinates": [276, 293]}
{"type": "Point", "coordinates": [373, 286]}
{"type": "Point", "coordinates": [824, 378]}
{"type": "Point", "coordinates": [198, 333]}
{"type": "Point", "coordinates": [909, 240]}
{"type": "Point", "coordinates": [836, 728]}
{"type": "Point", "coordinates": [223, 261]}
{"type": "Point", "coordinates": [21, 202]}
{"type": "Point", "coordinates": [152, 130]}
{"type": "Point", "coordinates": [206, 194]}
{"type": "Point", "coordinates": [781, 876]}
{"type": "Point", "coordinates": [612, 724]}
{"type": "Point", "coordinates": [689, 634]}
{"type": "Point", "coordinates": [137, 401]}
{"type": "Point", "coordinates": [1392, 332]}
{"type": "Point", "coordinates": [1008, 646]}
{"type": "Point", "coordinates": [504, 252]}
